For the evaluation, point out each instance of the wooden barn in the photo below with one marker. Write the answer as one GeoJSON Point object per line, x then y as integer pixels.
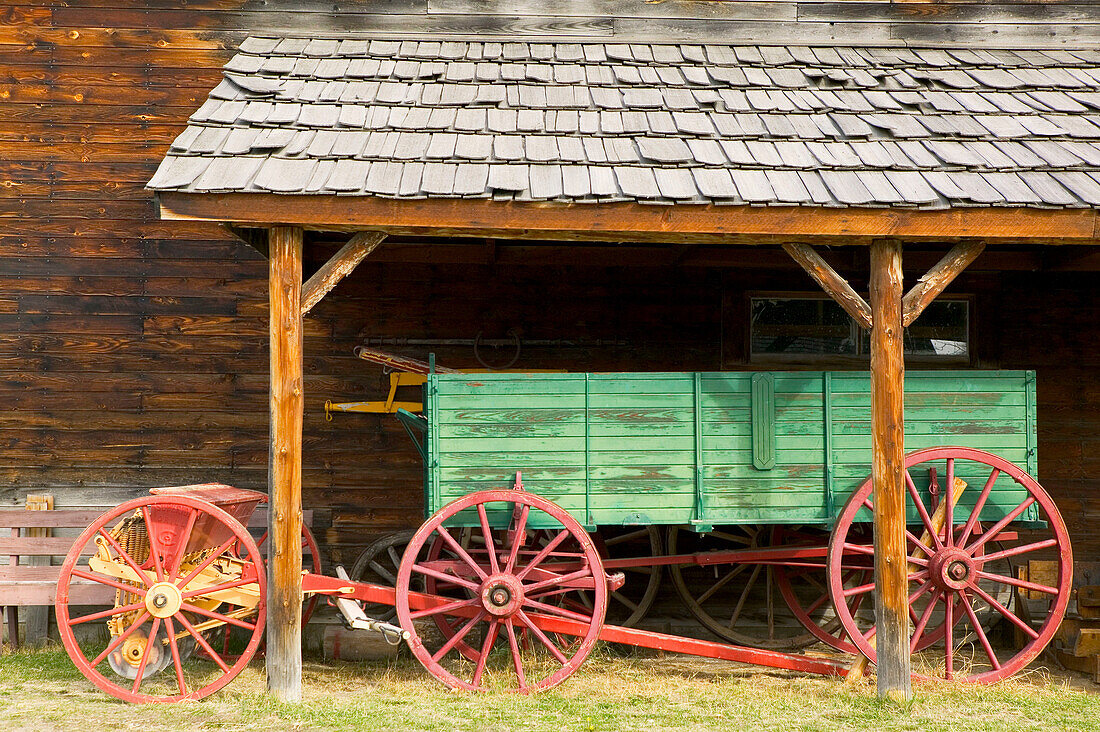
{"type": "Point", "coordinates": [576, 186]}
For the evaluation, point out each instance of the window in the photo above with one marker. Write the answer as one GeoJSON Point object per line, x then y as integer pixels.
{"type": "Point", "coordinates": [793, 328]}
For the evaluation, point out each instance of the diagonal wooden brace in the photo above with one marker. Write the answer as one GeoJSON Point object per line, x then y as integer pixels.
{"type": "Point", "coordinates": [835, 285]}
{"type": "Point", "coordinates": [340, 266]}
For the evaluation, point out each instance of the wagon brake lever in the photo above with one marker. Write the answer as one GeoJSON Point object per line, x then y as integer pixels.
{"type": "Point", "coordinates": [356, 619]}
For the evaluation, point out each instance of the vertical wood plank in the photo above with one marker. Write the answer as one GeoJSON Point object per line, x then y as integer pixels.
{"type": "Point", "coordinates": [37, 618]}
{"type": "Point", "coordinates": [284, 608]}
{"type": "Point", "coordinates": [888, 465]}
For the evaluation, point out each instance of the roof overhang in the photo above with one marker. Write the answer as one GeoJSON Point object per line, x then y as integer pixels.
{"type": "Point", "coordinates": [702, 224]}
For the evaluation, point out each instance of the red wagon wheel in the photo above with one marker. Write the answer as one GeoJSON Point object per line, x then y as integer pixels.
{"type": "Point", "coordinates": [177, 577]}
{"type": "Point", "coordinates": [957, 575]}
{"type": "Point", "coordinates": [505, 590]}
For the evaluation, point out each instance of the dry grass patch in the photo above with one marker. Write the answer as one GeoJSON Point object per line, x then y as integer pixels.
{"type": "Point", "coordinates": [42, 690]}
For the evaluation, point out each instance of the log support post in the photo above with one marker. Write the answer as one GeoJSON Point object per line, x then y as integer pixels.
{"type": "Point", "coordinates": [284, 569]}
{"type": "Point", "coordinates": [888, 471]}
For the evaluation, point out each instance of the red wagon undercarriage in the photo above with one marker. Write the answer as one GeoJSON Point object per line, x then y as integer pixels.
{"type": "Point", "coordinates": [504, 589]}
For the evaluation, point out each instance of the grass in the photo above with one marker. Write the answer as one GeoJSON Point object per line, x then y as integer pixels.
{"type": "Point", "coordinates": [41, 690]}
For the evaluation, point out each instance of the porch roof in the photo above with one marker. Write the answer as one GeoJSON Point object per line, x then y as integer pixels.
{"type": "Point", "coordinates": [647, 123]}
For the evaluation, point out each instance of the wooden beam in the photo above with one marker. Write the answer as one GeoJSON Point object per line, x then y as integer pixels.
{"type": "Point", "coordinates": [835, 285]}
{"type": "Point", "coordinates": [340, 266]}
{"type": "Point", "coordinates": [682, 224]}
{"type": "Point", "coordinates": [938, 278]}
{"type": "Point", "coordinates": [888, 469]}
{"type": "Point", "coordinates": [284, 569]}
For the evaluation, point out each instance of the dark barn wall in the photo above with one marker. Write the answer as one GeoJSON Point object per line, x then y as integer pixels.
{"type": "Point", "coordinates": [133, 351]}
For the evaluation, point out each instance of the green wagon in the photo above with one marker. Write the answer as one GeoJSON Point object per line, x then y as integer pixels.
{"type": "Point", "coordinates": [753, 489]}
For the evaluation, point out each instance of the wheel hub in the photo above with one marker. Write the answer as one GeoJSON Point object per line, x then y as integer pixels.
{"type": "Point", "coordinates": [952, 569]}
{"type": "Point", "coordinates": [163, 600]}
{"type": "Point", "coordinates": [501, 595]}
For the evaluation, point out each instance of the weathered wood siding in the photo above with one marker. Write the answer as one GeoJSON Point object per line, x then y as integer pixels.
{"type": "Point", "coordinates": [133, 352]}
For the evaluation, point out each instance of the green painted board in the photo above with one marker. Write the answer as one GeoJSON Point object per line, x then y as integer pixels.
{"type": "Point", "coordinates": [717, 448]}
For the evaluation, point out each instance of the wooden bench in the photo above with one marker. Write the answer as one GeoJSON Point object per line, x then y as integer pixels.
{"type": "Point", "coordinates": [23, 585]}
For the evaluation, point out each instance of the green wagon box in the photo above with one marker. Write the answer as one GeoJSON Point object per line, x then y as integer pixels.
{"type": "Point", "coordinates": [707, 449]}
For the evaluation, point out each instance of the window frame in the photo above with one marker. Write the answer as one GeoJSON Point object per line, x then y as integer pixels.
{"type": "Point", "coordinates": [855, 360]}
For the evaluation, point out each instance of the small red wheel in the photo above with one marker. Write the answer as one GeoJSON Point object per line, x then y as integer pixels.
{"type": "Point", "coordinates": [962, 573]}
{"type": "Point", "coordinates": [172, 561]}
{"type": "Point", "coordinates": [506, 589]}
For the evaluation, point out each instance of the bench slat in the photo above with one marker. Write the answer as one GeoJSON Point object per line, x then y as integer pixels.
{"type": "Point", "coordinates": [29, 546]}
{"type": "Point", "coordinates": [67, 518]}
{"type": "Point", "coordinates": [45, 593]}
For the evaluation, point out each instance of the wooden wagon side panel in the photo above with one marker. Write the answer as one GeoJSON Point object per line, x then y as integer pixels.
{"type": "Point", "coordinates": [987, 410]}
{"type": "Point", "coordinates": [708, 448]}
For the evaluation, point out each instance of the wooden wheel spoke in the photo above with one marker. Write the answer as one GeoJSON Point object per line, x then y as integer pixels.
{"type": "Point", "coordinates": [185, 539]}
{"type": "Point", "coordinates": [106, 613]}
{"type": "Point", "coordinates": [517, 659]}
{"type": "Point", "coordinates": [110, 582]}
{"type": "Point", "coordinates": [458, 636]}
{"type": "Point", "coordinates": [450, 607]}
{"type": "Point", "coordinates": [928, 551]}
{"type": "Point", "coordinates": [623, 599]}
{"type": "Point", "coordinates": [744, 595]}
{"type": "Point", "coordinates": [1022, 549]}
{"type": "Point", "coordinates": [150, 641]}
{"type": "Point", "coordinates": [486, 648]}
{"type": "Point", "coordinates": [813, 606]}
{"type": "Point", "coordinates": [217, 616]}
{"type": "Point", "coordinates": [125, 557]}
{"type": "Point", "coordinates": [177, 661]}
{"type": "Point", "coordinates": [979, 504]}
{"type": "Point", "coordinates": [555, 610]}
{"type": "Point", "coordinates": [487, 533]}
{"type": "Point", "coordinates": [1022, 584]}
{"type": "Point", "coordinates": [520, 533]}
{"type": "Point", "coordinates": [859, 549]}
{"type": "Point", "coordinates": [537, 631]}
{"type": "Point", "coordinates": [214, 556]}
{"type": "Point", "coordinates": [121, 638]}
{"type": "Point", "coordinates": [858, 590]}
{"type": "Point", "coordinates": [921, 510]}
{"type": "Point", "coordinates": [557, 579]}
{"type": "Point", "coordinates": [158, 565]}
{"type": "Point", "coordinates": [382, 571]}
{"type": "Point", "coordinates": [977, 626]}
{"type": "Point", "coordinates": [733, 538]}
{"type": "Point", "coordinates": [217, 588]}
{"type": "Point", "coordinates": [462, 553]}
{"type": "Point", "coordinates": [720, 583]}
{"type": "Point", "coordinates": [996, 528]}
{"type": "Point", "coordinates": [948, 632]}
{"type": "Point", "coordinates": [920, 591]}
{"type": "Point", "coordinates": [1004, 611]}
{"type": "Point", "coordinates": [543, 553]}
{"type": "Point", "coordinates": [922, 622]}
{"type": "Point", "coordinates": [202, 642]}
{"type": "Point", "coordinates": [949, 503]}
{"type": "Point", "coordinates": [452, 579]}
{"type": "Point", "coordinates": [395, 558]}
